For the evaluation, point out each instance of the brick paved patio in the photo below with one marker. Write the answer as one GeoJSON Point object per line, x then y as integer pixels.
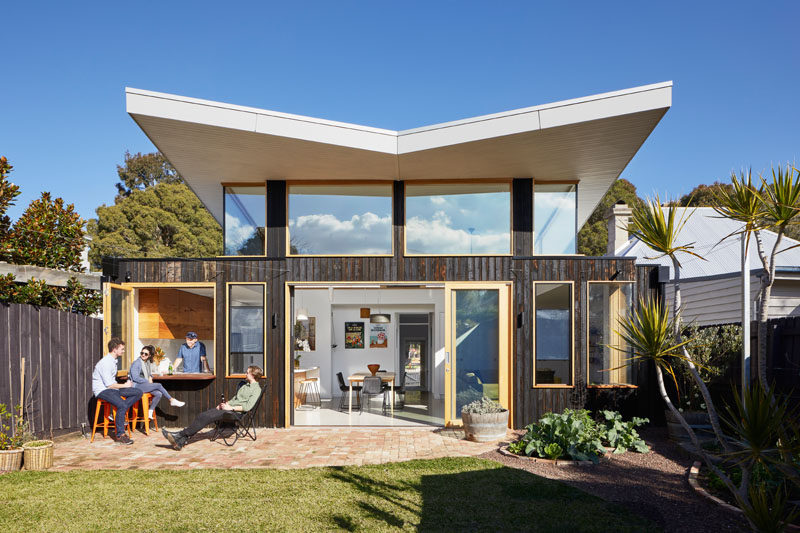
{"type": "Point", "coordinates": [275, 448]}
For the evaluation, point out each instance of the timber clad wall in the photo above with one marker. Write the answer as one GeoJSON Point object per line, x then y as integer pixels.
{"type": "Point", "coordinates": [276, 269]}
{"type": "Point", "coordinates": [60, 351]}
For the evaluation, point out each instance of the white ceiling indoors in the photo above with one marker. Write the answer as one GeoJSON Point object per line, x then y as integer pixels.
{"type": "Point", "coordinates": [588, 139]}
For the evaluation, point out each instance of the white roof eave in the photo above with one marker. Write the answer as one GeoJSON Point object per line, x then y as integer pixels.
{"type": "Point", "coordinates": [211, 142]}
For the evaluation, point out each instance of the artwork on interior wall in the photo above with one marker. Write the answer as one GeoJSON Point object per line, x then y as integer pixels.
{"type": "Point", "coordinates": [377, 336]}
{"type": "Point", "coordinates": [353, 335]}
{"type": "Point", "coordinates": [305, 334]}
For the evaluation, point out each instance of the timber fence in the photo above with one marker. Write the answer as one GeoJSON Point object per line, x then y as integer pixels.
{"type": "Point", "coordinates": [59, 349]}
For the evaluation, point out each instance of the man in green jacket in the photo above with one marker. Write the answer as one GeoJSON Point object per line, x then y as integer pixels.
{"type": "Point", "coordinates": [243, 401]}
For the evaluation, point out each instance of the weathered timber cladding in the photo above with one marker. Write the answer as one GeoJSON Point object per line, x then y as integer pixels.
{"type": "Point", "coordinates": [276, 269]}
{"type": "Point", "coordinates": [529, 403]}
{"type": "Point", "coordinates": [60, 351]}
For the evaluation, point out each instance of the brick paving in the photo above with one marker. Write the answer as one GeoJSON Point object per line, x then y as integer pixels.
{"type": "Point", "coordinates": [275, 448]}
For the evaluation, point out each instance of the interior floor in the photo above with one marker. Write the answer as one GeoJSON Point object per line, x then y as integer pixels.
{"type": "Point", "coordinates": [420, 409]}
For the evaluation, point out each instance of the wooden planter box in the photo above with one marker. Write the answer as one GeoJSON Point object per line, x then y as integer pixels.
{"type": "Point", "coordinates": [485, 427]}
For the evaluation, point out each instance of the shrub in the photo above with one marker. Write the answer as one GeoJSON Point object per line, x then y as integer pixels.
{"type": "Point", "coordinates": [621, 435]}
{"type": "Point", "coordinates": [572, 433]}
{"type": "Point", "coordinates": [13, 429]}
{"type": "Point", "coordinates": [483, 406]}
{"type": "Point", "coordinates": [575, 435]}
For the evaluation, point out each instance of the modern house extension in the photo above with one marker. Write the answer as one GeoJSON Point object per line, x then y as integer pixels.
{"type": "Point", "coordinates": [444, 254]}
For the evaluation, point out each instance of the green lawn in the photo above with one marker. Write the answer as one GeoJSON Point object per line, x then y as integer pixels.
{"type": "Point", "coordinates": [454, 494]}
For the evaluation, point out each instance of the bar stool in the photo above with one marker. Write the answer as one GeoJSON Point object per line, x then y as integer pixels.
{"type": "Point", "coordinates": [309, 388]}
{"type": "Point", "coordinates": [107, 409]}
{"type": "Point", "coordinates": [144, 419]}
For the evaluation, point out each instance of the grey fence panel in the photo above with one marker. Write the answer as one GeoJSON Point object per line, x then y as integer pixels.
{"type": "Point", "coordinates": [60, 350]}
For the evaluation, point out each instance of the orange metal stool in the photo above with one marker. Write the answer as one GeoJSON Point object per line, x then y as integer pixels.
{"type": "Point", "coordinates": [101, 418]}
{"type": "Point", "coordinates": [144, 419]}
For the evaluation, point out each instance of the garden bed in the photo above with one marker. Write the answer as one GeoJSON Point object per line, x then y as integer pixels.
{"type": "Point", "coordinates": [555, 462]}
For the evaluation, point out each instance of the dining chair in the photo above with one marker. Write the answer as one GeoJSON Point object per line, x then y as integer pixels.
{"type": "Point", "coordinates": [345, 391]}
{"type": "Point", "coordinates": [373, 386]}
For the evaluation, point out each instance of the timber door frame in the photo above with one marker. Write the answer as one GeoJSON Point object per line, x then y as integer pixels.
{"type": "Point", "coordinates": [505, 371]}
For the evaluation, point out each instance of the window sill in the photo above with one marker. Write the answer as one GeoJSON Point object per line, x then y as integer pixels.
{"type": "Point", "coordinates": [614, 386]}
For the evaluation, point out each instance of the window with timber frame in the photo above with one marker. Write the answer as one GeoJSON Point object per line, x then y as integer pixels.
{"type": "Point", "coordinates": [553, 364]}
{"type": "Point", "coordinates": [608, 354]}
{"type": "Point", "coordinates": [466, 218]}
{"type": "Point", "coordinates": [339, 218]}
{"type": "Point", "coordinates": [555, 208]}
{"type": "Point", "coordinates": [245, 327]}
{"type": "Point", "coordinates": [244, 223]}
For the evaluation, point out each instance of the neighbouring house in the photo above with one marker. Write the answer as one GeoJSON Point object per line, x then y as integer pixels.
{"type": "Point", "coordinates": [444, 254]}
{"type": "Point", "coordinates": [711, 288]}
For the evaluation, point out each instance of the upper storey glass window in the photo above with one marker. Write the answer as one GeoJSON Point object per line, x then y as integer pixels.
{"type": "Point", "coordinates": [554, 218]}
{"type": "Point", "coordinates": [340, 219]}
{"type": "Point", "coordinates": [245, 219]}
{"type": "Point", "coordinates": [458, 218]}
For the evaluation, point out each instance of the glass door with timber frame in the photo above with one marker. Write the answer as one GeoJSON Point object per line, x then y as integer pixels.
{"type": "Point", "coordinates": [477, 345]}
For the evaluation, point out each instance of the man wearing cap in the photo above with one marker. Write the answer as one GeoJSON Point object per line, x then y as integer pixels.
{"type": "Point", "coordinates": [193, 355]}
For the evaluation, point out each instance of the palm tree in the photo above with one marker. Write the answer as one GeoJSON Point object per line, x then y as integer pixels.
{"type": "Point", "coordinates": [772, 205]}
{"type": "Point", "coordinates": [661, 231]}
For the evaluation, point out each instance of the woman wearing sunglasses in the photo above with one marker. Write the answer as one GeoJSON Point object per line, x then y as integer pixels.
{"type": "Point", "coordinates": [143, 380]}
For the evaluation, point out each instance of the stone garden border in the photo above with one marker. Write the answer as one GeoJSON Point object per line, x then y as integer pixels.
{"type": "Point", "coordinates": [556, 462]}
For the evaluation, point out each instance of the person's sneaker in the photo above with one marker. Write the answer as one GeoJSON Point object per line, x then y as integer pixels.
{"type": "Point", "coordinates": [123, 439]}
{"type": "Point", "coordinates": [176, 403]}
{"type": "Point", "coordinates": [175, 439]}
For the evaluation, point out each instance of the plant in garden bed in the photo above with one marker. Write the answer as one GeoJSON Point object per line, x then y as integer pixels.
{"type": "Point", "coordinates": [574, 435]}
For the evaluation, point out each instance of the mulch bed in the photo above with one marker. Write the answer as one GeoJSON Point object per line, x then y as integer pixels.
{"type": "Point", "coordinates": [654, 485]}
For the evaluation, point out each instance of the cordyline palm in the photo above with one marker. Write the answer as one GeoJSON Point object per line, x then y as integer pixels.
{"type": "Point", "coordinates": [649, 332]}
{"type": "Point", "coordinates": [772, 205]}
{"type": "Point", "coordinates": [660, 231]}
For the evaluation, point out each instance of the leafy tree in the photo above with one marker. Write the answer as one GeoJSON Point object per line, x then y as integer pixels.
{"type": "Point", "coordinates": [143, 171]}
{"type": "Point", "coordinates": [8, 191]}
{"type": "Point", "coordinates": [593, 236]}
{"type": "Point", "coordinates": [704, 195]}
{"type": "Point", "coordinates": [163, 220]}
{"type": "Point", "coordinates": [48, 234]}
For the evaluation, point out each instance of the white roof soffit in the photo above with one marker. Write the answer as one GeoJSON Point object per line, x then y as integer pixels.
{"type": "Point", "coordinates": [588, 139]}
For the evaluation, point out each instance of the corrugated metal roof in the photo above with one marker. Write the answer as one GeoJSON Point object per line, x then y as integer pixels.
{"type": "Point", "coordinates": [708, 231]}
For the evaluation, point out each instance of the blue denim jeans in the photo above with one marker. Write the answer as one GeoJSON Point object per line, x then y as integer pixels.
{"type": "Point", "coordinates": [115, 398]}
{"type": "Point", "coordinates": [156, 389]}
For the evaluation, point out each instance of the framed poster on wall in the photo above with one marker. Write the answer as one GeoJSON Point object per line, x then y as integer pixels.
{"type": "Point", "coordinates": [377, 336]}
{"type": "Point", "coordinates": [353, 335]}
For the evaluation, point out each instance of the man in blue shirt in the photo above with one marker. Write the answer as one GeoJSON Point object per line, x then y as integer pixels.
{"type": "Point", "coordinates": [120, 395]}
{"type": "Point", "coordinates": [193, 355]}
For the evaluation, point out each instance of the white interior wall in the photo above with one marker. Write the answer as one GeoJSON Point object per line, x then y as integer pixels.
{"type": "Point", "coordinates": [333, 307]}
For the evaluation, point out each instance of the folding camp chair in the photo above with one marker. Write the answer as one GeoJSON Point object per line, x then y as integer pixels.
{"type": "Point", "coordinates": [243, 423]}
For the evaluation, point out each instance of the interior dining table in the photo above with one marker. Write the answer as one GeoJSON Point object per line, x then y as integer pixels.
{"type": "Point", "coordinates": [358, 377]}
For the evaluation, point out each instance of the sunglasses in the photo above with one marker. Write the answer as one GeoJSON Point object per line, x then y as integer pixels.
{"type": "Point", "coordinates": [144, 353]}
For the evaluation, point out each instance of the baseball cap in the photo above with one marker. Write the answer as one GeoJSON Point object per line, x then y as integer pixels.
{"type": "Point", "coordinates": [191, 335]}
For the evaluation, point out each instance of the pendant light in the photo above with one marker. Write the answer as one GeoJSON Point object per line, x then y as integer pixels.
{"type": "Point", "coordinates": [302, 312]}
{"type": "Point", "coordinates": [379, 318]}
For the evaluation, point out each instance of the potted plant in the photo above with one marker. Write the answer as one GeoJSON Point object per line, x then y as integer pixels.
{"type": "Point", "coordinates": [12, 429]}
{"type": "Point", "coordinates": [484, 420]}
{"type": "Point", "coordinates": [38, 454]}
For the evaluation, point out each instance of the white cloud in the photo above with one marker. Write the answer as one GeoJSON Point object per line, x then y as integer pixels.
{"type": "Point", "coordinates": [236, 233]}
{"type": "Point", "coordinates": [325, 234]}
{"type": "Point", "coordinates": [437, 236]}
{"type": "Point", "coordinates": [438, 200]}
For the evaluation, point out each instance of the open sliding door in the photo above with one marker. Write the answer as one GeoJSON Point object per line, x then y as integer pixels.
{"type": "Point", "coordinates": [477, 345]}
{"type": "Point", "coordinates": [118, 319]}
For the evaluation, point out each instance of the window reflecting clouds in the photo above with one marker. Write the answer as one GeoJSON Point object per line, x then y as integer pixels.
{"type": "Point", "coordinates": [459, 219]}
{"type": "Point", "coordinates": [340, 219]}
{"type": "Point", "coordinates": [245, 220]}
{"type": "Point", "coordinates": [554, 212]}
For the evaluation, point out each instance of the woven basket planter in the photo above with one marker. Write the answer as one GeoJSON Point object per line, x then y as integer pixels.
{"type": "Point", "coordinates": [10, 460]}
{"type": "Point", "coordinates": [38, 454]}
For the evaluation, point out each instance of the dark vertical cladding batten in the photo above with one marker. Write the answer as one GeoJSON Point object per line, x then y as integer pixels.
{"type": "Point", "coordinates": [276, 219]}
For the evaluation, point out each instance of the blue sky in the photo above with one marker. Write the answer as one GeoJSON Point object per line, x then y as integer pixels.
{"type": "Point", "coordinates": [395, 65]}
